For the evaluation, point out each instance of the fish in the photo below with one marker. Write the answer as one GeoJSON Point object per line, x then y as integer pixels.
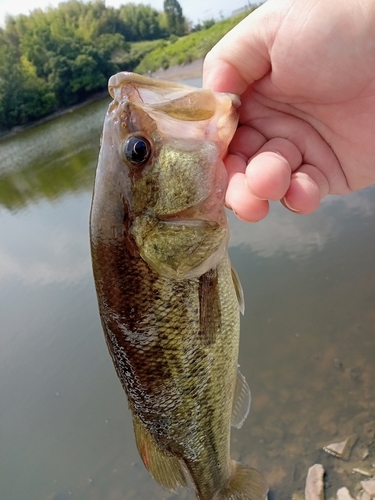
{"type": "Point", "coordinates": [169, 298]}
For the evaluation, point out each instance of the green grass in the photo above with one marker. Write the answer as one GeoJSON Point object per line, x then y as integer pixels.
{"type": "Point", "coordinates": [138, 50]}
{"type": "Point", "coordinates": [183, 50]}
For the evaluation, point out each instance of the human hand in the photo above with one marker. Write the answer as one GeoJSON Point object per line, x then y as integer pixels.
{"type": "Point", "coordinates": [305, 73]}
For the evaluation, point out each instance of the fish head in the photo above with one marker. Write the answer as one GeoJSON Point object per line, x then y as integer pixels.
{"type": "Point", "coordinates": [161, 176]}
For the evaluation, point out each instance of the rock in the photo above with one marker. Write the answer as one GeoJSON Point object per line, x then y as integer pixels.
{"type": "Point", "coordinates": [369, 487]}
{"type": "Point", "coordinates": [341, 449]}
{"type": "Point", "coordinates": [314, 489]}
{"type": "Point", "coordinates": [343, 494]}
{"type": "Point", "coordinates": [363, 472]}
{"type": "Point", "coordinates": [363, 496]}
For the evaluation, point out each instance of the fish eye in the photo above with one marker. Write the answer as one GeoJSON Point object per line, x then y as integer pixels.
{"type": "Point", "coordinates": [137, 150]}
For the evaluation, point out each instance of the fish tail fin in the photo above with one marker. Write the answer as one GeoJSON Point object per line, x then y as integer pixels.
{"type": "Point", "coordinates": [245, 483]}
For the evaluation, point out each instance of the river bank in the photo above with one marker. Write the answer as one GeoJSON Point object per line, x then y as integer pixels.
{"type": "Point", "coordinates": [181, 72]}
{"type": "Point", "coordinates": [174, 73]}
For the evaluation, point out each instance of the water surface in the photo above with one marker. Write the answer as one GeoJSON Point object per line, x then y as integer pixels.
{"type": "Point", "coordinates": [307, 341]}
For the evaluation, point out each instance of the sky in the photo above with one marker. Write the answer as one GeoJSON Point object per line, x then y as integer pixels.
{"type": "Point", "coordinates": [194, 10]}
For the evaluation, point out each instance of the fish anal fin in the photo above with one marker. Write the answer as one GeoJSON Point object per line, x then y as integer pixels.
{"type": "Point", "coordinates": [245, 483]}
{"type": "Point", "coordinates": [165, 469]}
{"type": "Point", "coordinates": [239, 291]}
{"type": "Point", "coordinates": [241, 401]}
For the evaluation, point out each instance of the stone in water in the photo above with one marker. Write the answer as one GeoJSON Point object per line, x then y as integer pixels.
{"type": "Point", "coordinates": [343, 494]}
{"type": "Point", "coordinates": [341, 449]}
{"type": "Point", "coordinates": [314, 489]}
{"type": "Point", "coordinates": [369, 487]}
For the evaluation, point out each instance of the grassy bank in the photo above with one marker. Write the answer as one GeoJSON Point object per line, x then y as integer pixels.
{"type": "Point", "coordinates": [133, 57]}
{"type": "Point", "coordinates": [183, 50]}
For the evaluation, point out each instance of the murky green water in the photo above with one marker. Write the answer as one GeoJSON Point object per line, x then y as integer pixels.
{"type": "Point", "coordinates": [307, 345]}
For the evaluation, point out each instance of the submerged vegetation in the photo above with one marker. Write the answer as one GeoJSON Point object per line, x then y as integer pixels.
{"type": "Point", "coordinates": [53, 59]}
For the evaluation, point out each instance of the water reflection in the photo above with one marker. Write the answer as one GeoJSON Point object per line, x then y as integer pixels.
{"type": "Point", "coordinates": [43, 247]}
{"type": "Point", "coordinates": [43, 180]}
{"type": "Point", "coordinates": [299, 236]}
{"type": "Point", "coordinates": [52, 159]}
{"type": "Point", "coordinates": [295, 236]}
{"type": "Point", "coordinates": [307, 345]}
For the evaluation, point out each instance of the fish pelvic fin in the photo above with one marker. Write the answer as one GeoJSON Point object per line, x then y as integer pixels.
{"type": "Point", "coordinates": [245, 483]}
{"type": "Point", "coordinates": [165, 469]}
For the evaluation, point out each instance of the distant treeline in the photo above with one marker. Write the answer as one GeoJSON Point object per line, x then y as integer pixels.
{"type": "Point", "coordinates": [52, 59]}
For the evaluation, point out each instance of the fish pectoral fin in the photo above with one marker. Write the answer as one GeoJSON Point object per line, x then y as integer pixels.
{"type": "Point", "coordinates": [241, 401]}
{"type": "Point", "coordinates": [238, 289]}
{"type": "Point", "coordinates": [165, 469]}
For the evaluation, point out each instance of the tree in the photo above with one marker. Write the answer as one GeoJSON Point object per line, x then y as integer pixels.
{"type": "Point", "coordinates": [23, 96]}
{"type": "Point", "coordinates": [140, 22]}
{"type": "Point", "coordinates": [175, 19]}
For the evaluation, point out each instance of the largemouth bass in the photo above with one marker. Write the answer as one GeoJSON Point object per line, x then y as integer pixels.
{"type": "Point", "coordinates": [168, 297]}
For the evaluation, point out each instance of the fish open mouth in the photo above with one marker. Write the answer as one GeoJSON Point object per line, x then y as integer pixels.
{"type": "Point", "coordinates": [215, 219]}
{"type": "Point", "coordinates": [206, 212]}
{"type": "Point", "coordinates": [184, 222]}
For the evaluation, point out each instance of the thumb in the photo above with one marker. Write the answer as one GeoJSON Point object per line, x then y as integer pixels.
{"type": "Point", "coordinates": [242, 55]}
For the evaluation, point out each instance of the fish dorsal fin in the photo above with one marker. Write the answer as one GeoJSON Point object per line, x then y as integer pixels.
{"type": "Point", "coordinates": [165, 469]}
{"type": "Point", "coordinates": [239, 291]}
{"type": "Point", "coordinates": [241, 401]}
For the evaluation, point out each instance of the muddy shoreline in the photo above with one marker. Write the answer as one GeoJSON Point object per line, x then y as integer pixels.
{"type": "Point", "coordinates": [174, 73]}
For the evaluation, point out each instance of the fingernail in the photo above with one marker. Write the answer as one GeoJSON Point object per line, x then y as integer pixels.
{"type": "Point", "coordinates": [286, 204]}
{"type": "Point", "coordinates": [243, 220]}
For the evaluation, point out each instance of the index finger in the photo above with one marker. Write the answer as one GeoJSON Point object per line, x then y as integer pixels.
{"type": "Point", "coordinates": [241, 56]}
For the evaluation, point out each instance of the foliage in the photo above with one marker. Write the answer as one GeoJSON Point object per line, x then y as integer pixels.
{"type": "Point", "coordinates": [22, 93]}
{"type": "Point", "coordinates": [204, 26]}
{"type": "Point", "coordinates": [138, 50]}
{"type": "Point", "coordinates": [175, 20]}
{"type": "Point", "coordinates": [141, 22]}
